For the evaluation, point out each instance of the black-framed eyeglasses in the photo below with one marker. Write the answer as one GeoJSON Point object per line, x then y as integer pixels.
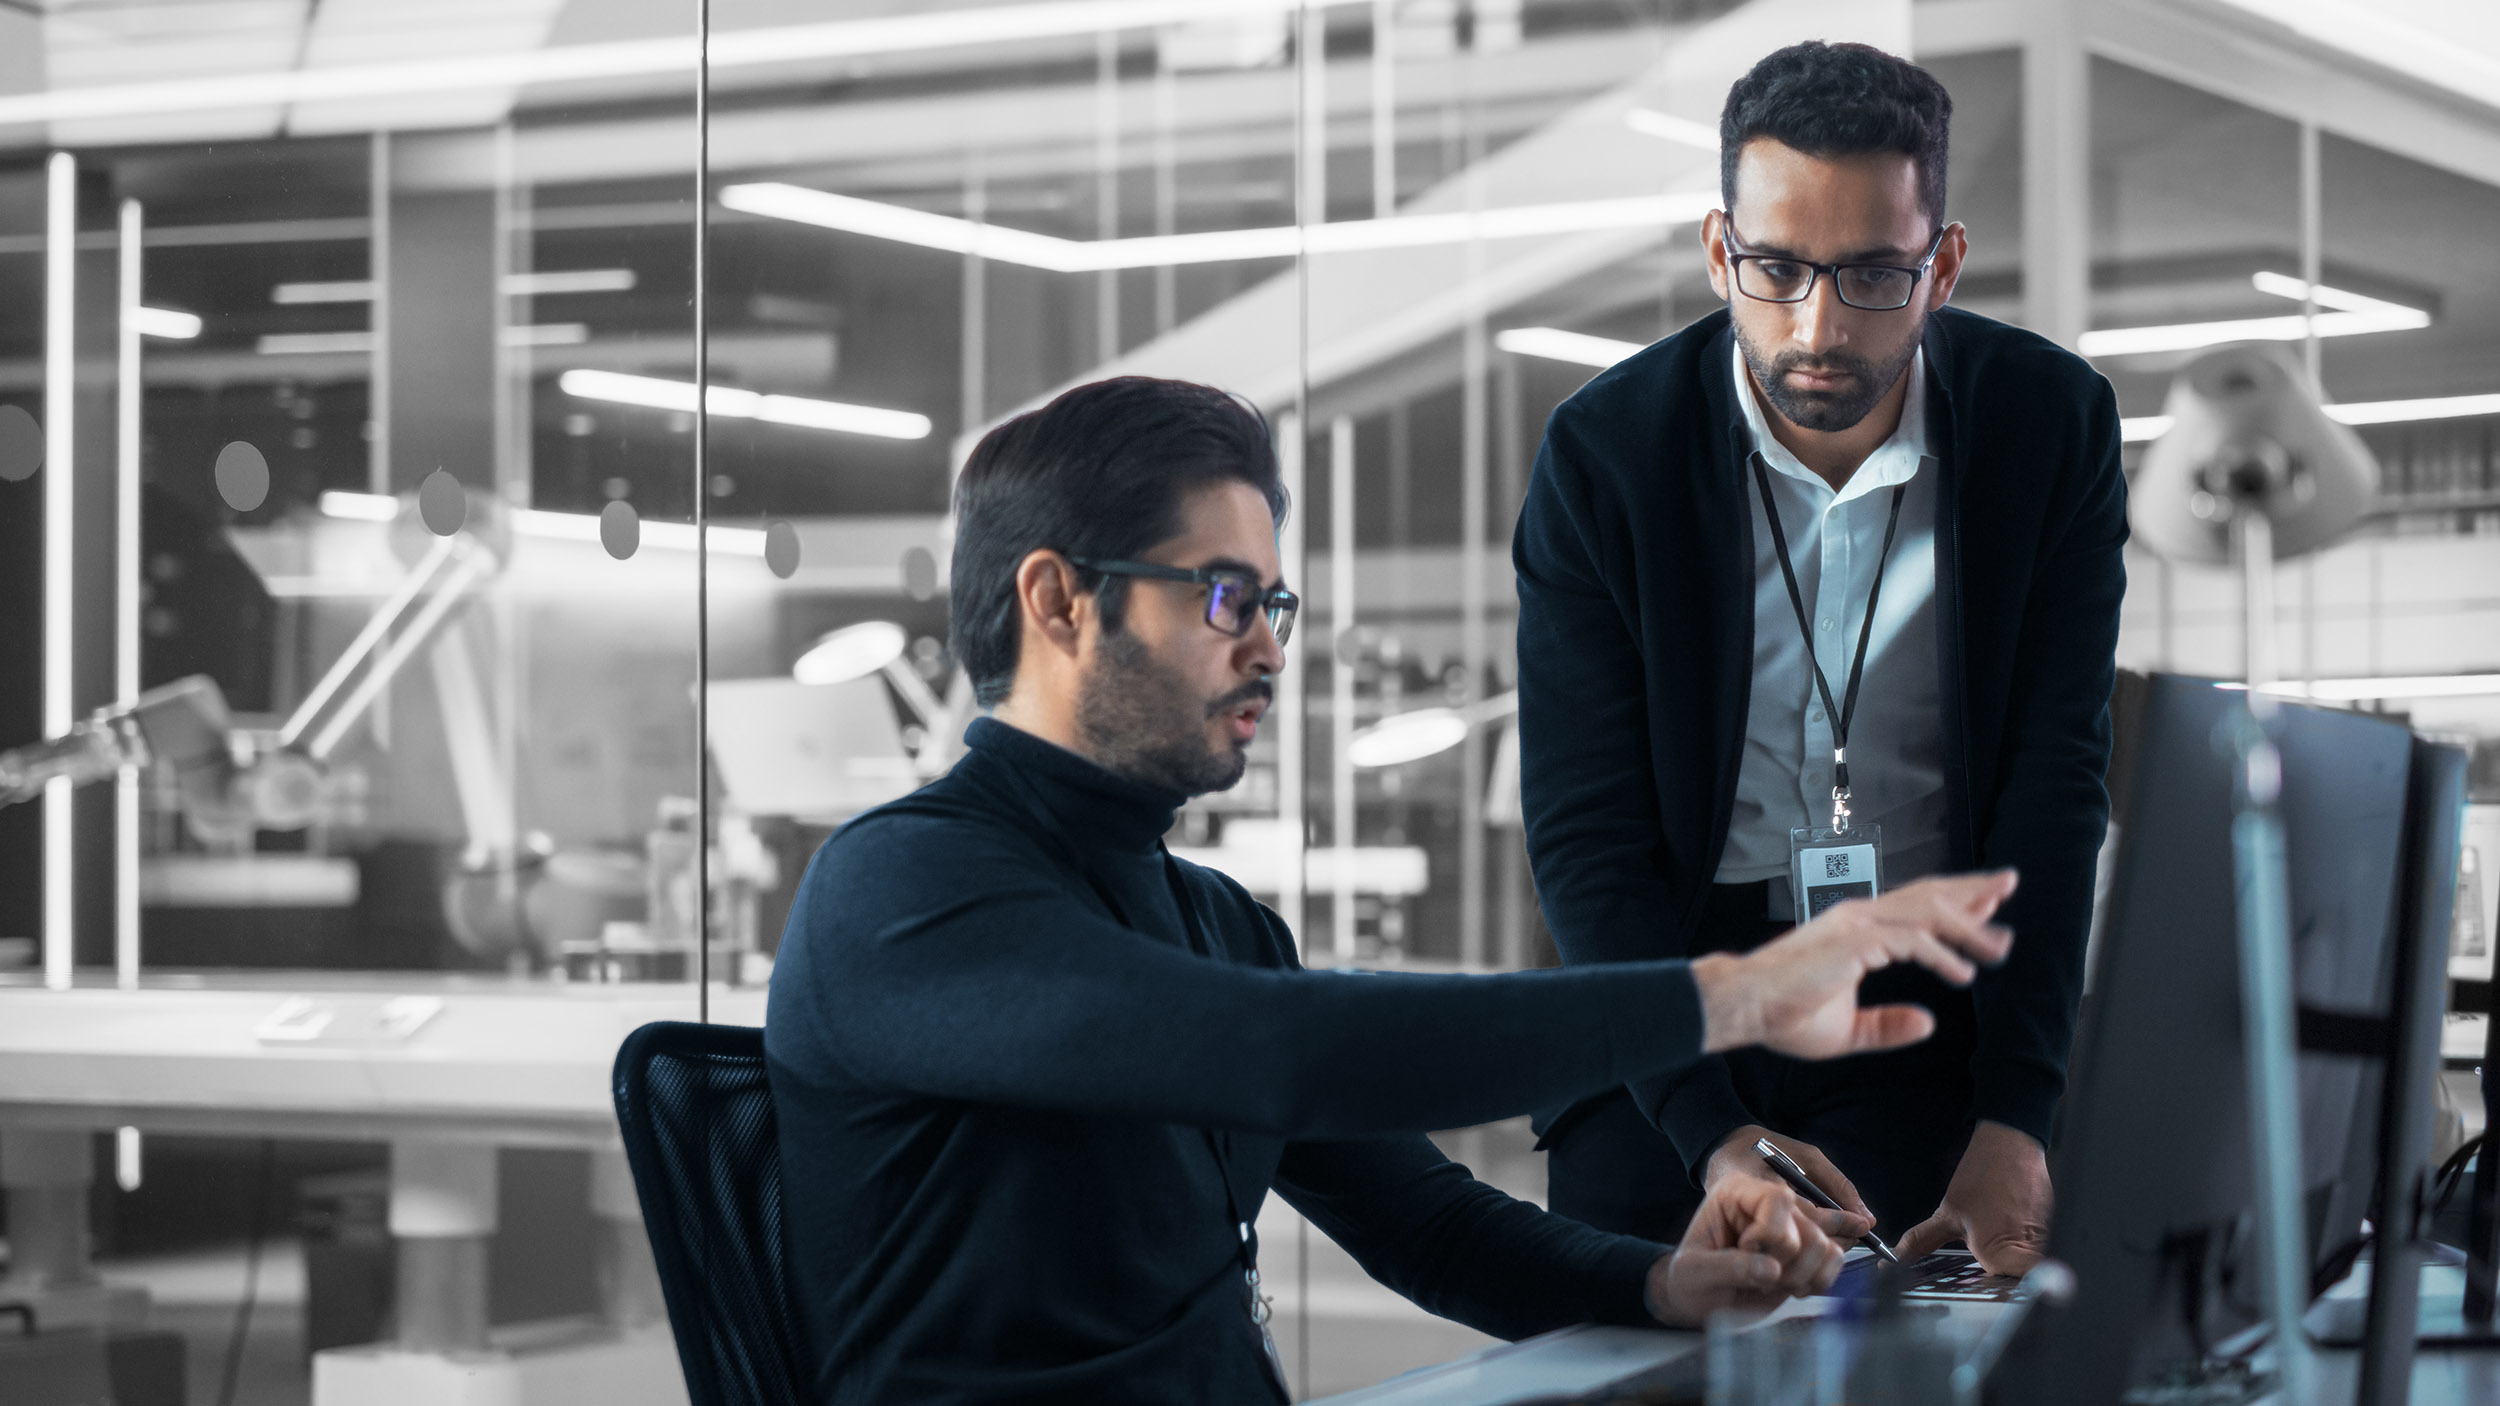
{"type": "Point", "coordinates": [1234, 598]}
{"type": "Point", "coordinates": [1868, 287]}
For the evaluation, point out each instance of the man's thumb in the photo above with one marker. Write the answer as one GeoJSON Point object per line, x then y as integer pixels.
{"type": "Point", "coordinates": [1926, 1237]}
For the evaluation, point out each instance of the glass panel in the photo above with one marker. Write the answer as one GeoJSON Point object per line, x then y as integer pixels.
{"type": "Point", "coordinates": [395, 636]}
{"type": "Point", "coordinates": [2426, 400]}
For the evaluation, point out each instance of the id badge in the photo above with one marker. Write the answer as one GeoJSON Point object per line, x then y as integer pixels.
{"type": "Point", "coordinates": [1827, 867]}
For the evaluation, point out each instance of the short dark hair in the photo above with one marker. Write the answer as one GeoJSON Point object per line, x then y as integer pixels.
{"type": "Point", "coordinates": [1102, 471]}
{"type": "Point", "coordinates": [1830, 100]}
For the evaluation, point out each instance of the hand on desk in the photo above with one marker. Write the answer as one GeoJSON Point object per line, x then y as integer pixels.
{"type": "Point", "coordinates": [1798, 994]}
{"type": "Point", "coordinates": [1998, 1204]}
{"type": "Point", "coordinates": [1736, 1159]}
{"type": "Point", "coordinates": [1750, 1246]}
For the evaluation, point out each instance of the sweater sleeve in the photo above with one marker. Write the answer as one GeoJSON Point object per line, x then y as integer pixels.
{"type": "Point", "coordinates": [2051, 811]}
{"type": "Point", "coordinates": [1593, 828]}
{"type": "Point", "coordinates": [1417, 1222]}
{"type": "Point", "coordinates": [947, 959]}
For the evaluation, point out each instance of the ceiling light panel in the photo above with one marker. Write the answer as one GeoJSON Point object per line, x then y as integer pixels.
{"type": "Point", "coordinates": [1555, 344]}
{"type": "Point", "coordinates": [877, 219]}
{"type": "Point", "coordinates": [369, 64]}
{"type": "Point", "coordinates": [652, 392]}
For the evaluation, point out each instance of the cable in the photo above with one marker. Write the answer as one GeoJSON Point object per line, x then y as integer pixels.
{"type": "Point", "coordinates": [2451, 1173]}
{"type": "Point", "coordinates": [251, 1271]}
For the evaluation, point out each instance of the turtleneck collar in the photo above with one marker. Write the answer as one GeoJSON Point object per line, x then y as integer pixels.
{"type": "Point", "coordinates": [1091, 805]}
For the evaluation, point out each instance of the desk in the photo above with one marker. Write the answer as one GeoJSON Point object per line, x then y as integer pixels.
{"type": "Point", "coordinates": [493, 1063]}
{"type": "Point", "coordinates": [1578, 1359]}
{"type": "Point", "coordinates": [501, 1063]}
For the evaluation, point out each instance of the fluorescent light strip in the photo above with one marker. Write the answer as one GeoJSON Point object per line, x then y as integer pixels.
{"type": "Point", "coordinates": [564, 527]}
{"type": "Point", "coordinates": [2140, 428]}
{"type": "Point", "coordinates": [2283, 285]}
{"type": "Point", "coordinates": [539, 334]}
{"type": "Point", "coordinates": [2394, 686]}
{"type": "Point", "coordinates": [551, 282]}
{"type": "Point", "coordinates": [547, 334]}
{"type": "Point", "coordinates": [2187, 336]}
{"type": "Point", "coordinates": [128, 403]}
{"type": "Point", "coordinates": [2353, 314]}
{"type": "Point", "coordinates": [2369, 32]}
{"type": "Point", "coordinates": [60, 369]}
{"type": "Point", "coordinates": [1555, 344]}
{"type": "Point", "coordinates": [569, 281]}
{"type": "Point", "coordinates": [1650, 122]}
{"type": "Point", "coordinates": [653, 393]}
{"type": "Point", "coordinates": [778, 44]}
{"type": "Point", "coordinates": [363, 507]}
{"type": "Point", "coordinates": [877, 219]}
{"type": "Point", "coordinates": [354, 290]}
{"type": "Point", "coordinates": [312, 343]}
{"type": "Point", "coordinates": [2389, 412]}
{"type": "Point", "coordinates": [167, 323]}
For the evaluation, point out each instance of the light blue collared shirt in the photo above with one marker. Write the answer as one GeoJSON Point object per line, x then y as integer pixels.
{"type": "Point", "coordinates": [1896, 736]}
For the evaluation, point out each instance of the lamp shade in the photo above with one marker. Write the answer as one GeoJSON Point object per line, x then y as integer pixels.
{"type": "Point", "coordinates": [852, 652]}
{"type": "Point", "coordinates": [2247, 433]}
{"type": "Point", "coordinates": [1407, 737]}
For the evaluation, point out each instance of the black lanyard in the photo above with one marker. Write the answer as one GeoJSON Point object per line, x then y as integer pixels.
{"type": "Point", "coordinates": [1866, 628]}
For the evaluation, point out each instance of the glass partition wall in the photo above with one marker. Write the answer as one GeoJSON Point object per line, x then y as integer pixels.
{"type": "Point", "coordinates": [537, 439]}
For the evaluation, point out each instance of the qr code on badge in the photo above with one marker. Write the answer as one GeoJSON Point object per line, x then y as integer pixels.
{"type": "Point", "coordinates": [1836, 866]}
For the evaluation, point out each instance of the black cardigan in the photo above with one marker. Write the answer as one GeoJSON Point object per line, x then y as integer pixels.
{"type": "Point", "coordinates": [1013, 1083]}
{"type": "Point", "coordinates": [1636, 610]}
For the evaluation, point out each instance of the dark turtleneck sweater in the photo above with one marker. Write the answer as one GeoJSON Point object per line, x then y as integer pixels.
{"type": "Point", "coordinates": [1033, 1075]}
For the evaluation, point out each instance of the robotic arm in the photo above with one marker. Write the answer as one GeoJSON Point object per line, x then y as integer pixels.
{"type": "Point", "coordinates": [234, 781]}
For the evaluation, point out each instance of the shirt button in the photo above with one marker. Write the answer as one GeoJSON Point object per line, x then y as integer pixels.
{"type": "Point", "coordinates": [1827, 622]}
{"type": "Point", "coordinates": [1816, 715]}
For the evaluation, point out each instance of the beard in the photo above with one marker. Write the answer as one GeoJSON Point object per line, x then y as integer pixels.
{"type": "Point", "coordinates": [1828, 411]}
{"type": "Point", "coordinates": [1140, 719]}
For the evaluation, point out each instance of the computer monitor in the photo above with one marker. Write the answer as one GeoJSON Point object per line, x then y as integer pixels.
{"type": "Point", "coordinates": [2152, 1158]}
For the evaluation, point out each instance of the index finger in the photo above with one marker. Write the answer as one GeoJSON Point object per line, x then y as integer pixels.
{"type": "Point", "coordinates": [1955, 912]}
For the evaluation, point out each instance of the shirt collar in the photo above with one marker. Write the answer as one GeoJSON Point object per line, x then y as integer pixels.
{"type": "Point", "coordinates": [1894, 462]}
{"type": "Point", "coordinates": [1091, 805]}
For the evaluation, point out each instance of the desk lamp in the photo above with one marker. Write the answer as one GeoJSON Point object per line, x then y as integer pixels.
{"type": "Point", "coordinates": [2251, 471]}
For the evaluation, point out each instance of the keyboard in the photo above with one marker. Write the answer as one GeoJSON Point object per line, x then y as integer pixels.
{"type": "Point", "coordinates": [1945, 1274]}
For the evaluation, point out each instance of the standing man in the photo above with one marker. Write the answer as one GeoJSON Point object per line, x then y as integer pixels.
{"type": "Point", "coordinates": [1828, 578]}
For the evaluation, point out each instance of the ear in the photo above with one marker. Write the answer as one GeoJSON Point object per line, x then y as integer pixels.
{"type": "Point", "coordinates": [1714, 251]}
{"type": "Point", "coordinates": [1052, 605]}
{"type": "Point", "coordinates": [1949, 255]}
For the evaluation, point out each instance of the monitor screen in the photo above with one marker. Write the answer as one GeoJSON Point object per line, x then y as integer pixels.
{"type": "Point", "coordinates": [2152, 1157]}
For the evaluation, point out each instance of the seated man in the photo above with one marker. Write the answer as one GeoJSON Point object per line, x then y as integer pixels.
{"type": "Point", "coordinates": [1034, 1075]}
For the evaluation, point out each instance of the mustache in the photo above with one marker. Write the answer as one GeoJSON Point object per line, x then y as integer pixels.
{"type": "Point", "coordinates": [1832, 364]}
{"type": "Point", "coordinates": [1257, 690]}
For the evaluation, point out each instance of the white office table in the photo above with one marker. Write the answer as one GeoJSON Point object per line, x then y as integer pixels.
{"type": "Point", "coordinates": [1580, 1359]}
{"type": "Point", "coordinates": [501, 1062]}
{"type": "Point", "coordinates": [472, 1065]}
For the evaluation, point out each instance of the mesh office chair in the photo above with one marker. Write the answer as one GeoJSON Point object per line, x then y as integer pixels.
{"type": "Point", "coordinates": [698, 1122]}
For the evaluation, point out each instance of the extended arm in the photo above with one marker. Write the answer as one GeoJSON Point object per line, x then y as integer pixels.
{"type": "Point", "coordinates": [992, 981]}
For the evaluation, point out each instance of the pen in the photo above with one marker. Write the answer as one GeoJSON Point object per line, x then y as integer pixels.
{"type": "Point", "coordinates": [1804, 1186]}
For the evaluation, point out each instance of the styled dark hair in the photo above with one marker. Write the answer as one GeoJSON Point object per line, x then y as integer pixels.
{"type": "Point", "coordinates": [1102, 471]}
{"type": "Point", "coordinates": [1831, 100]}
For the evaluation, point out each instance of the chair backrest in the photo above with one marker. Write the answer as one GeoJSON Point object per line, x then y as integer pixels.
{"type": "Point", "coordinates": [697, 1116]}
